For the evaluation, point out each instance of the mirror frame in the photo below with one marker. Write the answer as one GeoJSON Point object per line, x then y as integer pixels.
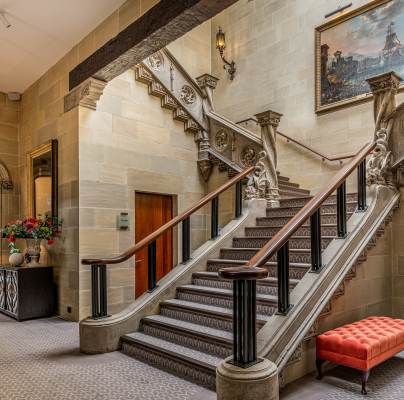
{"type": "Point", "coordinates": [51, 146]}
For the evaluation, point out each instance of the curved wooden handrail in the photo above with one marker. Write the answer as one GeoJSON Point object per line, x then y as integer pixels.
{"type": "Point", "coordinates": [317, 153]}
{"type": "Point", "coordinates": [276, 243]}
{"type": "Point", "coordinates": [170, 224]}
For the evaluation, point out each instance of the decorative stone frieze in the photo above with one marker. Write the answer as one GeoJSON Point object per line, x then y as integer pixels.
{"type": "Point", "coordinates": [384, 88]}
{"type": "Point", "coordinates": [85, 95]}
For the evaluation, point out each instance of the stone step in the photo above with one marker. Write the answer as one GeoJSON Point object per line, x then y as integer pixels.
{"type": "Point", "coordinates": [296, 270]}
{"type": "Point", "coordinates": [295, 242]}
{"type": "Point", "coordinates": [290, 211]}
{"type": "Point", "coordinates": [266, 304]}
{"type": "Point", "coordinates": [203, 314]}
{"type": "Point", "coordinates": [293, 192]}
{"type": "Point", "coordinates": [299, 256]}
{"type": "Point", "coordinates": [265, 231]}
{"type": "Point", "coordinates": [287, 184]}
{"type": "Point", "coordinates": [271, 221]}
{"type": "Point", "coordinates": [212, 279]}
{"type": "Point", "coordinates": [189, 364]}
{"type": "Point", "coordinates": [303, 200]}
{"type": "Point", "coordinates": [212, 341]}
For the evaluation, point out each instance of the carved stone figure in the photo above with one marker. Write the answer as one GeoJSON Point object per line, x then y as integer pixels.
{"type": "Point", "coordinates": [248, 156]}
{"type": "Point", "coordinates": [221, 140]}
{"type": "Point", "coordinates": [384, 88]}
{"type": "Point", "coordinates": [155, 61]}
{"type": "Point", "coordinates": [187, 95]}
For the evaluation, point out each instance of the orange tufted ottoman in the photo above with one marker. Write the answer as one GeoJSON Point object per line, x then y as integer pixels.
{"type": "Point", "coordinates": [361, 345]}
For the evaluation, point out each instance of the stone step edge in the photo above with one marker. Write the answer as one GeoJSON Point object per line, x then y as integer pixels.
{"type": "Point", "coordinates": [268, 263]}
{"type": "Point", "coordinates": [215, 312]}
{"type": "Point", "coordinates": [270, 281]}
{"type": "Point", "coordinates": [191, 331]}
{"type": "Point", "coordinates": [173, 355]}
{"type": "Point", "coordinates": [224, 293]}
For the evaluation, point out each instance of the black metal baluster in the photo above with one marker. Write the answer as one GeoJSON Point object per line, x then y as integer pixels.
{"type": "Point", "coordinates": [99, 298]}
{"type": "Point", "coordinates": [186, 240]}
{"type": "Point", "coordinates": [362, 186]}
{"type": "Point", "coordinates": [239, 199]}
{"type": "Point", "coordinates": [214, 226]}
{"type": "Point", "coordinates": [283, 279]}
{"type": "Point", "coordinates": [244, 325]}
{"type": "Point", "coordinates": [151, 251]}
{"type": "Point", "coordinates": [315, 233]}
{"type": "Point", "coordinates": [341, 210]}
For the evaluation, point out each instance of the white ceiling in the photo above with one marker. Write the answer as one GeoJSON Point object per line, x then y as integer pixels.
{"type": "Point", "coordinates": [42, 32]}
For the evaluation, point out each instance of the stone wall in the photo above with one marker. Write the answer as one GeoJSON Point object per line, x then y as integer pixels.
{"type": "Point", "coordinates": [130, 144]}
{"type": "Point", "coordinates": [272, 43]}
{"type": "Point", "coordinates": [368, 293]}
{"type": "Point", "coordinates": [43, 118]}
{"type": "Point", "coordinates": [9, 134]}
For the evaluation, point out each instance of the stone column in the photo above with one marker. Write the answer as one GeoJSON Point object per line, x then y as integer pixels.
{"type": "Point", "coordinates": [269, 122]}
{"type": "Point", "coordinates": [384, 88]}
{"type": "Point", "coordinates": [259, 381]}
{"type": "Point", "coordinates": [207, 83]}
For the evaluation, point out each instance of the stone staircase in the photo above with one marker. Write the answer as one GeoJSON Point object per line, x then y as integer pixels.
{"type": "Point", "coordinates": [193, 332]}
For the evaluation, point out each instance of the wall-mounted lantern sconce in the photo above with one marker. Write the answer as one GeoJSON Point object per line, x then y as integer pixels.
{"type": "Point", "coordinates": [230, 67]}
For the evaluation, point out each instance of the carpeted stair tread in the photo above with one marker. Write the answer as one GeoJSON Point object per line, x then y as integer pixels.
{"type": "Point", "coordinates": [194, 329]}
{"type": "Point", "coordinates": [223, 292]}
{"type": "Point", "coordinates": [242, 262]}
{"type": "Point", "coordinates": [177, 351]}
{"type": "Point", "coordinates": [266, 281]}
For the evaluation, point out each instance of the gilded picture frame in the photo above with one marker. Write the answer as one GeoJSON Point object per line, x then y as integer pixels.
{"type": "Point", "coordinates": [340, 78]}
{"type": "Point", "coordinates": [52, 148]}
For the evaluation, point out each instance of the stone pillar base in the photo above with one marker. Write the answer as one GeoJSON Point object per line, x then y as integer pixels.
{"type": "Point", "coordinates": [257, 382]}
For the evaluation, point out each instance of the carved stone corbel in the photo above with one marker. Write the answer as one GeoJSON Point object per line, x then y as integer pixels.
{"type": "Point", "coordinates": [208, 84]}
{"type": "Point", "coordinates": [204, 162]}
{"type": "Point", "coordinates": [85, 95]}
{"type": "Point", "coordinates": [384, 88]}
{"type": "Point", "coordinates": [269, 122]}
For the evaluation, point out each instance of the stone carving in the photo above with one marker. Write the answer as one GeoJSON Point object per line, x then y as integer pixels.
{"type": "Point", "coordinates": [5, 178]}
{"type": "Point", "coordinates": [248, 156]}
{"type": "Point", "coordinates": [379, 164]}
{"type": "Point", "coordinates": [221, 140]}
{"type": "Point", "coordinates": [187, 95]}
{"type": "Point", "coordinates": [11, 291]}
{"type": "Point", "coordinates": [155, 61]}
{"type": "Point", "coordinates": [85, 95]}
{"type": "Point", "coordinates": [384, 88]}
{"type": "Point", "coordinates": [2, 290]}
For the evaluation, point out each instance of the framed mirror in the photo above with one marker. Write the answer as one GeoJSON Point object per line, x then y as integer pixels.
{"type": "Point", "coordinates": [43, 180]}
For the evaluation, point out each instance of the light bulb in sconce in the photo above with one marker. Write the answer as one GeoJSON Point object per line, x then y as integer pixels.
{"type": "Point", "coordinates": [4, 20]}
{"type": "Point", "coordinates": [230, 67]}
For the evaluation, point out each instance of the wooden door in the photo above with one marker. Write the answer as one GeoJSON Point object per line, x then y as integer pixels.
{"type": "Point", "coordinates": [151, 212]}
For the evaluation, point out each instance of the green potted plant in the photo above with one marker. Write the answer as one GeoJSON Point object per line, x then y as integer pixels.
{"type": "Point", "coordinates": [33, 230]}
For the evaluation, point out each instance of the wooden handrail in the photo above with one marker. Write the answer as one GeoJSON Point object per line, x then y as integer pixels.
{"type": "Point", "coordinates": [170, 224]}
{"type": "Point", "coordinates": [317, 153]}
{"type": "Point", "coordinates": [276, 243]}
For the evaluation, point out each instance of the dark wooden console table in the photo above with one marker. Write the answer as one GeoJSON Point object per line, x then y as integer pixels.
{"type": "Point", "coordinates": [27, 292]}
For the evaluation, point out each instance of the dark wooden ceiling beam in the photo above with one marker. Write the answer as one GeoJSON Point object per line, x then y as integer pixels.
{"type": "Point", "coordinates": [165, 22]}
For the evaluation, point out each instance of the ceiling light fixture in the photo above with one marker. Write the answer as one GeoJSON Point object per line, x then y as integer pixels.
{"type": "Point", "coordinates": [4, 20]}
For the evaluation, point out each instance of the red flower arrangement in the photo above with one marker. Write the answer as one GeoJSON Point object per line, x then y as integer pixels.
{"type": "Point", "coordinates": [47, 228]}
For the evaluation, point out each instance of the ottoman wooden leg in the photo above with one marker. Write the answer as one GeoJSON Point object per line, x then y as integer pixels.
{"type": "Point", "coordinates": [365, 378]}
{"type": "Point", "coordinates": [319, 363]}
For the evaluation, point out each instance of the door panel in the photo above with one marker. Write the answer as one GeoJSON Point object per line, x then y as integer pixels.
{"type": "Point", "coordinates": [151, 212]}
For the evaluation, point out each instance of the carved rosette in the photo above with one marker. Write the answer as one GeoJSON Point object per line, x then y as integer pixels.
{"type": "Point", "coordinates": [187, 95]}
{"type": "Point", "coordinates": [248, 156]}
{"type": "Point", "coordinates": [85, 95]}
{"type": "Point", "coordinates": [221, 140]}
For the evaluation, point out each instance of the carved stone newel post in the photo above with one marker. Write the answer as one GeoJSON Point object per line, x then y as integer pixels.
{"type": "Point", "coordinates": [207, 83]}
{"type": "Point", "coordinates": [384, 88]}
{"type": "Point", "coordinates": [266, 166]}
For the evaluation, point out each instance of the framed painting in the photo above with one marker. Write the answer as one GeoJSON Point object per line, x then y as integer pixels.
{"type": "Point", "coordinates": [355, 46]}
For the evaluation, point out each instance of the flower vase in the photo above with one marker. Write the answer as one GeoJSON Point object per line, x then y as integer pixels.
{"type": "Point", "coordinates": [33, 251]}
{"type": "Point", "coordinates": [16, 259]}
